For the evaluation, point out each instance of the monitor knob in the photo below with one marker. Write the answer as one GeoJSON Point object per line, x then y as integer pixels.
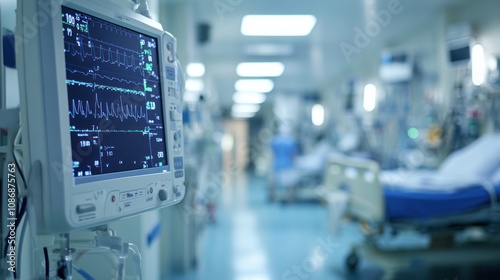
{"type": "Point", "coordinates": [162, 195]}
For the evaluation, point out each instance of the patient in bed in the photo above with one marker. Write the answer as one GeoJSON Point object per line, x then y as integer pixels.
{"type": "Point", "coordinates": [472, 165]}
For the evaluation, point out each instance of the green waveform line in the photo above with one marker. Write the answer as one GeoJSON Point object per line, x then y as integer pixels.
{"type": "Point", "coordinates": [105, 87]}
{"type": "Point", "coordinates": [145, 131]}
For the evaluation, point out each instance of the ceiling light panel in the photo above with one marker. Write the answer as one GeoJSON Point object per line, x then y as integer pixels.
{"type": "Point", "coordinates": [195, 85]}
{"type": "Point", "coordinates": [242, 115]}
{"type": "Point", "coordinates": [254, 85]}
{"type": "Point", "coordinates": [249, 97]}
{"type": "Point", "coordinates": [245, 108]}
{"type": "Point", "coordinates": [260, 69]}
{"type": "Point", "coordinates": [195, 70]}
{"type": "Point", "coordinates": [269, 50]}
{"type": "Point", "coordinates": [277, 25]}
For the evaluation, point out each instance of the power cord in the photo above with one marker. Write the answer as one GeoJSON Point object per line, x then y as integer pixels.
{"type": "Point", "coordinates": [47, 262]}
{"type": "Point", "coordinates": [21, 193]}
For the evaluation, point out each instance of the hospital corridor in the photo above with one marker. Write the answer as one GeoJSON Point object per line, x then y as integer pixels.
{"type": "Point", "coordinates": [249, 140]}
{"type": "Point", "coordinates": [253, 239]}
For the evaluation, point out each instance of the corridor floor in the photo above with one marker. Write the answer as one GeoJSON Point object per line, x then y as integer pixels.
{"type": "Point", "coordinates": [255, 239]}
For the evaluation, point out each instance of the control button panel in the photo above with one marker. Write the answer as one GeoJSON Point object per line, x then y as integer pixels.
{"type": "Point", "coordinates": [178, 163]}
{"type": "Point", "coordinates": [179, 174]}
{"type": "Point", "coordinates": [178, 190]}
{"type": "Point", "coordinates": [132, 194]}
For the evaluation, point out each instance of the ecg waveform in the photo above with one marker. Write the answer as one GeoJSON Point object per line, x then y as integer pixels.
{"type": "Point", "coordinates": [105, 111]}
{"type": "Point", "coordinates": [95, 75]}
{"type": "Point", "coordinates": [114, 95]}
{"type": "Point", "coordinates": [119, 59]}
{"type": "Point", "coordinates": [105, 87]}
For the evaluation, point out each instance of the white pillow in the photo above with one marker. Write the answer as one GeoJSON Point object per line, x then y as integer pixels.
{"type": "Point", "coordinates": [496, 177]}
{"type": "Point", "coordinates": [479, 159]}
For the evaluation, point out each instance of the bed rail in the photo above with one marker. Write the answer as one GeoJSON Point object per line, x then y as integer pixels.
{"type": "Point", "coordinates": [359, 178]}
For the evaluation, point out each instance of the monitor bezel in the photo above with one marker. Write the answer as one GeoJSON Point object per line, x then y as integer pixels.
{"type": "Point", "coordinates": [46, 128]}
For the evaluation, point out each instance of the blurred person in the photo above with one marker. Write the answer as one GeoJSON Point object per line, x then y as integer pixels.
{"type": "Point", "coordinates": [284, 147]}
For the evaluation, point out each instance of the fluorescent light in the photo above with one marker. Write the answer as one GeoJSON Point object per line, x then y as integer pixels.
{"type": "Point", "coordinates": [245, 108]}
{"type": "Point", "coordinates": [269, 49]}
{"type": "Point", "coordinates": [254, 85]}
{"type": "Point", "coordinates": [190, 96]}
{"type": "Point", "coordinates": [493, 64]}
{"type": "Point", "coordinates": [318, 115]}
{"type": "Point", "coordinates": [240, 115]}
{"type": "Point", "coordinates": [478, 65]}
{"type": "Point", "coordinates": [195, 85]}
{"type": "Point", "coordinates": [249, 97]}
{"type": "Point", "coordinates": [260, 69]}
{"type": "Point", "coordinates": [370, 97]}
{"type": "Point", "coordinates": [195, 70]}
{"type": "Point", "coordinates": [277, 25]}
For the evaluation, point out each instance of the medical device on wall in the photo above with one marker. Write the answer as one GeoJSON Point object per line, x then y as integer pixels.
{"type": "Point", "coordinates": [396, 67]}
{"type": "Point", "coordinates": [459, 43]}
{"type": "Point", "coordinates": [101, 113]}
{"type": "Point", "coordinates": [459, 52]}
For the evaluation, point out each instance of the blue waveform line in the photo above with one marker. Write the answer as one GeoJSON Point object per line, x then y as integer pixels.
{"type": "Point", "coordinates": [94, 75]}
{"type": "Point", "coordinates": [105, 111]}
{"type": "Point", "coordinates": [75, 50]}
{"type": "Point", "coordinates": [105, 87]}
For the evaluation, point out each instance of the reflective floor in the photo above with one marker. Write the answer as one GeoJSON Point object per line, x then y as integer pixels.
{"type": "Point", "coordinates": [254, 239]}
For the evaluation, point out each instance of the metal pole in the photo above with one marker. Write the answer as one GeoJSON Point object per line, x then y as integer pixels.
{"type": "Point", "coordinates": [65, 264]}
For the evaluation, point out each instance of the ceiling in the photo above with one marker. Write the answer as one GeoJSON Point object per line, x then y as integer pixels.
{"type": "Point", "coordinates": [316, 58]}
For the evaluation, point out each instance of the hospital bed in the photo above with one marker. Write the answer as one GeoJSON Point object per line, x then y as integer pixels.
{"type": "Point", "coordinates": [301, 180]}
{"type": "Point", "coordinates": [460, 197]}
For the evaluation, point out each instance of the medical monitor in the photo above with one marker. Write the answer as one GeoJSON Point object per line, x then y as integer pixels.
{"type": "Point", "coordinates": [101, 113]}
{"type": "Point", "coordinates": [459, 51]}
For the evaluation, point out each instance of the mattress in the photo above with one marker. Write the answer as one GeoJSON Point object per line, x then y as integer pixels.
{"type": "Point", "coordinates": [423, 204]}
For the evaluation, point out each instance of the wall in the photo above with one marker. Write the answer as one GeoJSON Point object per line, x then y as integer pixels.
{"type": "Point", "coordinates": [177, 225]}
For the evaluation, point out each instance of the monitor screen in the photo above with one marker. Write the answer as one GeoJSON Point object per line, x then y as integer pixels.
{"type": "Point", "coordinates": [115, 101]}
{"type": "Point", "coordinates": [461, 54]}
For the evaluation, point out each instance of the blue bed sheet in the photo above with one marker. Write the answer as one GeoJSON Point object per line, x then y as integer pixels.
{"type": "Point", "coordinates": [411, 204]}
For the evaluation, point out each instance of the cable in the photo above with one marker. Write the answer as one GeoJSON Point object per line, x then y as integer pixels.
{"type": "Point", "coordinates": [21, 193]}
{"type": "Point", "coordinates": [83, 273]}
{"type": "Point", "coordinates": [17, 155]}
{"type": "Point", "coordinates": [19, 219]}
{"type": "Point", "coordinates": [21, 237]}
{"type": "Point", "coordinates": [47, 262]}
{"type": "Point", "coordinates": [137, 259]}
{"type": "Point", "coordinates": [22, 211]}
